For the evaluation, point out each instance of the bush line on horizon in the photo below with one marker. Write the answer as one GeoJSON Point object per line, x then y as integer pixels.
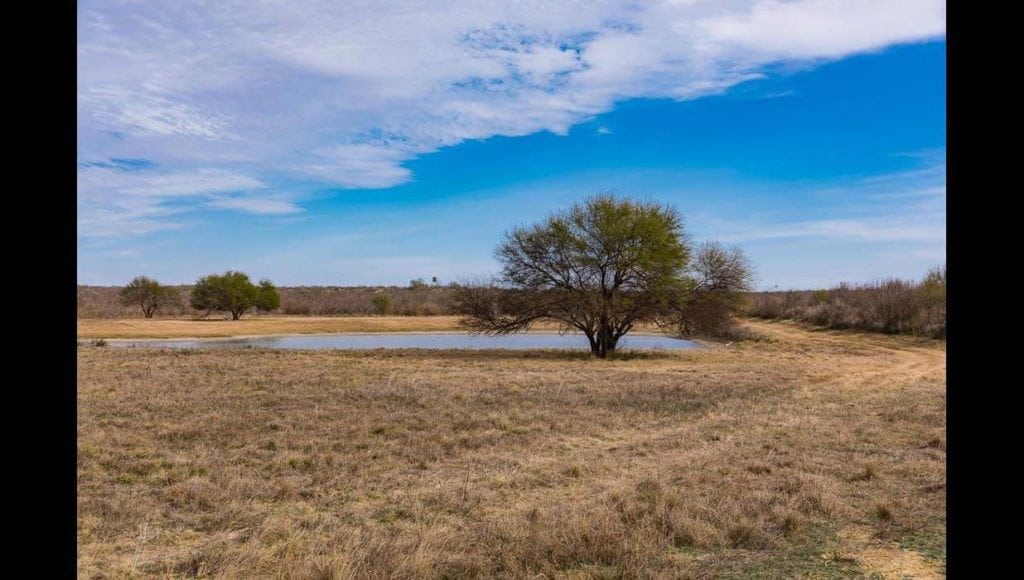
{"type": "Point", "coordinates": [800, 305]}
{"type": "Point", "coordinates": [687, 290]}
{"type": "Point", "coordinates": [891, 305]}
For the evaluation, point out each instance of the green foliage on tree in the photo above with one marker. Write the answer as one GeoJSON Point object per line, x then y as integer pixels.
{"type": "Point", "coordinates": [268, 298]}
{"type": "Point", "coordinates": [148, 294]}
{"type": "Point", "coordinates": [381, 304]}
{"type": "Point", "coordinates": [233, 292]}
{"type": "Point", "coordinates": [602, 267]}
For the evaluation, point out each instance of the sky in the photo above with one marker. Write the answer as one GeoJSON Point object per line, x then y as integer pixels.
{"type": "Point", "coordinates": [371, 143]}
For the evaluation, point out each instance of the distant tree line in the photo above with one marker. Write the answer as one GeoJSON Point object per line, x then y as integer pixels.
{"type": "Point", "coordinates": [431, 300]}
{"type": "Point", "coordinates": [602, 267]}
{"type": "Point", "coordinates": [232, 292]}
{"type": "Point", "coordinates": [891, 305]}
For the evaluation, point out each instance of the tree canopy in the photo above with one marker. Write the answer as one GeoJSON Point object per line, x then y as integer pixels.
{"type": "Point", "coordinates": [148, 294]}
{"type": "Point", "coordinates": [602, 267]}
{"type": "Point", "coordinates": [234, 292]}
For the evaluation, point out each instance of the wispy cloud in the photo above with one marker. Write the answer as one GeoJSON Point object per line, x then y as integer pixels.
{"type": "Point", "coordinates": [144, 113]}
{"type": "Point", "coordinates": [778, 95]}
{"type": "Point", "coordinates": [116, 199]}
{"type": "Point", "coordinates": [257, 205]}
{"type": "Point", "coordinates": [926, 228]}
{"type": "Point", "coordinates": [908, 206]}
{"type": "Point", "coordinates": [603, 130]}
{"type": "Point", "coordinates": [321, 92]}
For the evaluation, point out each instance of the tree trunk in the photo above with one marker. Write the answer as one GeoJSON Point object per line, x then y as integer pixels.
{"type": "Point", "coordinates": [235, 315]}
{"type": "Point", "coordinates": [603, 342]}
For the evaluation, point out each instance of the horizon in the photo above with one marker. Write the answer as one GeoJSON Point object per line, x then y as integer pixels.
{"type": "Point", "coordinates": [449, 283]}
{"type": "Point", "coordinates": [310, 149]}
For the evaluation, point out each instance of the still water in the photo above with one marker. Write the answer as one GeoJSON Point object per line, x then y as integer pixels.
{"type": "Point", "coordinates": [439, 340]}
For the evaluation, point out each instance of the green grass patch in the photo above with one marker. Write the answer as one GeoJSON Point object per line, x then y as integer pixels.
{"type": "Point", "coordinates": [929, 543]}
{"type": "Point", "coordinates": [808, 554]}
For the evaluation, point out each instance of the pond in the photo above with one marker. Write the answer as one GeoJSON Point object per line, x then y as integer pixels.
{"type": "Point", "coordinates": [433, 340]}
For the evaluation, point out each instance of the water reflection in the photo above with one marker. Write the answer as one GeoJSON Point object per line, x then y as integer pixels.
{"type": "Point", "coordinates": [453, 340]}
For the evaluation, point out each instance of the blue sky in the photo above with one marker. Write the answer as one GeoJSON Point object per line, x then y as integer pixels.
{"type": "Point", "coordinates": [310, 147]}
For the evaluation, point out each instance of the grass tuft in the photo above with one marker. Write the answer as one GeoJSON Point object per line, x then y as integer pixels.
{"type": "Point", "coordinates": [730, 462]}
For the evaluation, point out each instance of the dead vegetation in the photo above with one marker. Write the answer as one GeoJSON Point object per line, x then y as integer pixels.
{"type": "Point", "coordinates": [258, 325]}
{"type": "Point", "coordinates": [892, 306]}
{"type": "Point", "coordinates": [422, 300]}
{"type": "Point", "coordinates": [808, 454]}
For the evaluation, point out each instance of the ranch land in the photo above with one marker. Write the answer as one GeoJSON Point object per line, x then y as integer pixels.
{"type": "Point", "coordinates": [807, 453]}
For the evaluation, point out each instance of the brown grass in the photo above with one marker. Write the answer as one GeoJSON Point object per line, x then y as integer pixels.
{"type": "Point", "coordinates": [262, 325]}
{"type": "Point", "coordinates": [89, 328]}
{"type": "Point", "coordinates": [741, 461]}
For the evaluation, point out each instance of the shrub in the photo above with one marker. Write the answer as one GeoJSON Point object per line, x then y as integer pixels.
{"type": "Point", "coordinates": [267, 298]}
{"type": "Point", "coordinates": [147, 294]}
{"type": "Point", "coordinates": [103, 302]}
{"type": "Point", "coordinates": [381, 304]}
{"type": "Point", "coordinates": [891, 305]}
{"type": "Point", "coordinates": [233, 292]}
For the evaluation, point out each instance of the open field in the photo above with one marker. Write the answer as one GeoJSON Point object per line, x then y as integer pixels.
{"type": "Point", "coordinates": [260, 325]}
{"type": "Point", "coordinates": [812, 454]}
{"type": "Point", "coordinates": [271, 325]}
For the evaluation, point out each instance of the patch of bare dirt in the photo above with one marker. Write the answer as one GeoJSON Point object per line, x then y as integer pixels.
{"type": "Point", "coordinates": [887, 559]}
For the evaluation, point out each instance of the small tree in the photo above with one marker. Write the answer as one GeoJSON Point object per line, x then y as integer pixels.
{"type": "Point", "coordinates": [381, 304]}
{"type": "Point", "coordinates": [148, 294]}
{"type": "Point", "coordinates": [418, 284]}
{"type": "Point", "coordinates": [233, 292]}
{"type": "Point", "coordinates": [718, 277]}
{"type": "Point", "coordinates": [893, 305]}
{"type": "Point", "coordinates": [268, 298]}
{"type": "Point", "coordinates": [602, 267]}
{"type": "Point", "coordinates": [933, 299]}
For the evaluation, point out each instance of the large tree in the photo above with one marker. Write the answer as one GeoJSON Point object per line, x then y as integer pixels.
{"type": "Point", "coordinates": [234, 292]}
{"type": "Point", "coordinates": [602, 267]}
{"type": "Point", "coordinates": [148, 294]}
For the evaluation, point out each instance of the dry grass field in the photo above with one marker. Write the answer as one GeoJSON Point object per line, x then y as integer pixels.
{"type": "Point", "coordinates": [810, 454]}
{"type": "Point", "coordinates": [140, 328]}
{"type": "Point", "coordinates": [259, 325]}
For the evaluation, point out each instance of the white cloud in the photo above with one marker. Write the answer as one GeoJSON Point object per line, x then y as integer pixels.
{"type": "Point", "coordinates": [602, 130]}
{"type": "Point", "coordinates": [904, 207]}
{"type": "Point", "coordinates": [925, 228]}
{"type": "Point", "coordinates": [257, 205]}
{"type": "Point", "coordinates": [115, 201]}
{"type": "Point", "coordinates": [360, 165]}
{"type": "Point", "coordinates": [344, 93]}
{"type": "Point", "coordinates": [145, 113]}
{"type": "Point", "coordinates": [198, 182]}
{"type": "Point", "coordinates": [823, 28]}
